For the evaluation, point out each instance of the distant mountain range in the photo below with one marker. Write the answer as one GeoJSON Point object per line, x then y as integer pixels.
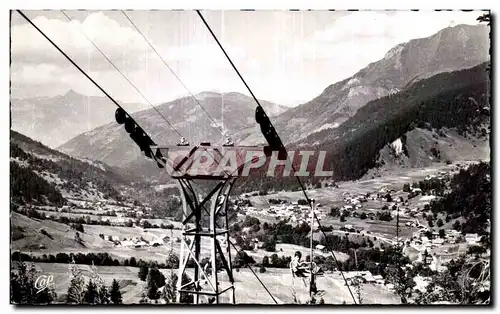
{"type": "Point", "coordinates": [314, 122]}
{"type": "Point", "coordinates": [55, 120]}
{"type": "Point", "coordinates": [231, 112]}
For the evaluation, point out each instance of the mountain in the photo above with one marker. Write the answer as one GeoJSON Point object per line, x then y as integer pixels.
{"type": "Point", "coordinates": [55, 120]}
{"type": "Point", "coordinates": [45, 176]}
{"type": "Point", "coordinates": [442, 119]}
{"type": "Point", "coordinates": [449, 110]}
{"type": "Point", "coordinates": [111, 144]}
{"type": "Point", "coordinates": [453, 48]}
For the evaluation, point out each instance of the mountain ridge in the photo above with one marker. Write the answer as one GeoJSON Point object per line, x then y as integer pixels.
{"type": "Point", "coordinates": [231, 112]}
{"type": "Point", "coordinates": [406, 62]}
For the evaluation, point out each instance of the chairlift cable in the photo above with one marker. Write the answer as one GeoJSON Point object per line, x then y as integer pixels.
{"type": "Point", "coordinates": [74, 64]}
{"type": "Point", "coordinates": [124, 76]}
{"type": "Point", "coordinates": [293, 167]}
{"type": "Point", "coordinates": [172, 71]}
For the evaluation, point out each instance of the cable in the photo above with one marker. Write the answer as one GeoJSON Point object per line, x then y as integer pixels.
{"type": "Point", "coordinates": [73, 63]}
{"type": "Point", "coordinates": [293, 167]}
{"type": "Point", "coordinates": [324, 234]}
{"type": "Point", "coordinates": [248, 266]}
{"type": "Point", "coordinates": [69, 59]}
{"type": "Point", "coordinates": [172, 71]}
{"type": "Point", "coordinates": [253, 272]}
{"type": "Point", "coordinates": [227, 56]}
{"type": "Point", "coordinates": [124, 76]}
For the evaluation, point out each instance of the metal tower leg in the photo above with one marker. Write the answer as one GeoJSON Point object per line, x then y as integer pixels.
{"type": "Point", "coordinates": [211, 223]}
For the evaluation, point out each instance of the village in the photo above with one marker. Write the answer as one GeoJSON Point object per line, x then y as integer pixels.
{"type": "Point", "coordinates": [425, 244]}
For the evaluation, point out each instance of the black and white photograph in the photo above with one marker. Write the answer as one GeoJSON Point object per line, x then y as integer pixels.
{"type": "Point", "coordinates": [250, 157]}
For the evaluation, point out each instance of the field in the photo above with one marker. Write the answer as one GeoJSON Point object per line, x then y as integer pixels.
{"type": "Point", "coordinates": [332, 196]}
{"type": "Point", "coordinates": [247, 288]}
{"type": "Point", "coordinates": [63, 241]}
{"type": "Point", "coordinates": [290, 249]}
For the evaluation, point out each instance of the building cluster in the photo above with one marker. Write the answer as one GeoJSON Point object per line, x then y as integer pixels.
{"type": "Point", "coordinates": [366, 277]}
{"type": "Point", "coordinates": [139, 242]}
{"type": "Point", "coordinates": [296, 213]}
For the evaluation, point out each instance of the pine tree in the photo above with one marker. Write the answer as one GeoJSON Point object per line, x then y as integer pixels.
{"type": "Point", "coordinates": [358, 290]}
{"type": "Point", "coordinates": [168, 292]}
{"type": "Point", "coordinates": [143, 272]}
{"type": "Point", "coordinates": [91, 294]}
{"type": "Point", "coordinates": [104, 295]}
{"type": "Point", "coordinates": [102, 290]}
{"type": "Point", "coordinates": [155, 279]}
{"type": "Point", "coordinates": [76, 287]}
{"type": "Point", "coordinates": [152, 290]}
{"type": "Point", "coordinates": [116, 295]}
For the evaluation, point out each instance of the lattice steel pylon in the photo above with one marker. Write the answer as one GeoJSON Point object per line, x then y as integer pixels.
{"type": "Point", "coordinates": [215, 229]}
{"type": "Point", "coordinates": [205, 225]}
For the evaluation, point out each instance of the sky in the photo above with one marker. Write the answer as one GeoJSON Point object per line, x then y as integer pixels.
{"type": "Point", "coordinates": [286, 57]}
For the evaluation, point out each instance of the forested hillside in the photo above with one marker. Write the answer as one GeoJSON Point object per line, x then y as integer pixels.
{"type": "Point", "coordinates": [27, 186]}
{"type": "Point", "coordinates": [470, 197]}
{"type": "Point", "coordinates": [45, 175]}
{"type": "Point", "coordinates": [455, 100]}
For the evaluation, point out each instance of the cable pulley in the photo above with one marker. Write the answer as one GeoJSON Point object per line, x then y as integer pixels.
{"type": "Point", "coordinates": [120, 116]}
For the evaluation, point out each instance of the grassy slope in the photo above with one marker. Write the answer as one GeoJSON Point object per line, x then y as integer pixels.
{"type": "Point", "coordinates": [248, 290]}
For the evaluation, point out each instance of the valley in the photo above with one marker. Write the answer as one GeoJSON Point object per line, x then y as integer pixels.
{"type": "Point", "coordinates": [404, 215]}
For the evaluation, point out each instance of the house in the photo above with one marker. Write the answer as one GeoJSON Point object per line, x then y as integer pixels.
{"type": "Point", "coordinates": [156, 242]}
{"type": "Point", "coordinates": [452, 236]}
{"type": "Point", "coordinates": [438, 241]}
{"type": "Point", "coordinates": [472, 238]}
{"type": "Point", "coordinates": [378, 279]}
{"type": "Point", "coordinates": [320, 247]}
{"type": "Point", "coordinates": [436, 264]}
{"type": "Point", "coordinates": [368, 277]}
{"type": "Point", "coordinates": [416, 190]}
{"type": "Point", "coordinates": [127, 243]}
{"type": "Point", "coordinates": [364, 276]}
{"type": "Point", "coordinates": [390, 287]}
{"type": "Point", "coordinates": [140, 244]}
